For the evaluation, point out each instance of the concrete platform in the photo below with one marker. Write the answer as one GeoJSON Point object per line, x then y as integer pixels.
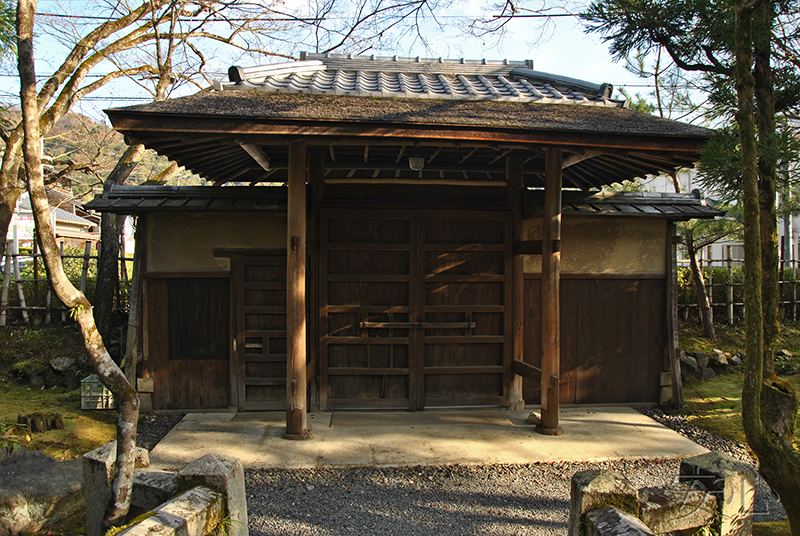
{"type": "Point", "coordinates": [431, 437]}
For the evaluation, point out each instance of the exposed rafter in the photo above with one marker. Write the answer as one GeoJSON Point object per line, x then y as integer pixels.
{"type": "Point", "coordinates": [258, 155]}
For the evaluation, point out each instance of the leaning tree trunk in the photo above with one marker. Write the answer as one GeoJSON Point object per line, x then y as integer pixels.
{"type": "Point", "coordinates": [704, 304]}
{"type": "Point", "coordinates": [769, 406]}
{"type": "Point", "coordinates": [110, 230]}
{"type": "Point", "coordinates": [109, 373]}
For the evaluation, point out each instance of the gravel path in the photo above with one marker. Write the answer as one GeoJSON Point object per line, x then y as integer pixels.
{"type": "Point", "coordinates": [441, 500]}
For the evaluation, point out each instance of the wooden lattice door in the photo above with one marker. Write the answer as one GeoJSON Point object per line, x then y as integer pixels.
{"type": "Point", "coordinates": [413, 308]}
{"type": "Point", "coordinates": [260, 347]}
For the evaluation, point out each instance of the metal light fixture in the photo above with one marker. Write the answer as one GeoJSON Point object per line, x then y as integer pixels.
{"type": "Point", "coordinates": [416, 162]}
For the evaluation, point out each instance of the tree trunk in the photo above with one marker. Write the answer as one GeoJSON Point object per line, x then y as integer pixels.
{"type": "Point", "coordinates": [769, 407]}
{"type": "Point", "coordinates": [111, 376]}
{"type": "Point", "coordinates": [767, 180]}
{"type": "Point", "coordinates": [704, 304]}
{"type": "Point", "coordinates": [110, 229]}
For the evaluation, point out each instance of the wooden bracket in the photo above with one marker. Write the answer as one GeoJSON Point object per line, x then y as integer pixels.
{"type": "Point", "coordinates": [529, 372]}
{"type": "Point", "coordinates": [527, 247]}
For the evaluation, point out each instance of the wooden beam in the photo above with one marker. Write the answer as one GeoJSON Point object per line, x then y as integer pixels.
{"type": "Point", "coordinates": [258, 155]}
{"type": "Point", "coordinates": [296, 410]}
{"type": "Point", "coordinates": [580, 156]}
{"type": "Point", "coordinates": [514, 399]}
{"type": "Point", "coordinates": [527, 371]}
{"type": "Point", "coordinates": [551, 276]}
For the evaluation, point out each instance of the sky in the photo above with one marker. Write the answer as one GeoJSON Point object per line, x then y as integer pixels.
{"type": "Point", "coordinates": [562, 48]}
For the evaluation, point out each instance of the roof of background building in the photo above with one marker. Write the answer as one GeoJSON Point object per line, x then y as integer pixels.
{"type": "Point", "coordinates": [420, 78]}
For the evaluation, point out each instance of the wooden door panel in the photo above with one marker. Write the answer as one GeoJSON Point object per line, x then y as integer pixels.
{"type": "Point", "coordinates": [365, 293]}
{"type": "Point", "coordinates": [467, 258]}
{"type": "Point", "coordinates": [413, 308]}
{"type": "Point", "coordinates": [186, 326]}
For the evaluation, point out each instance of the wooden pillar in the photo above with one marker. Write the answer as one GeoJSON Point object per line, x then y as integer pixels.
{"type": "Point", "coordinates": [296, 416]}
{"type": "Point", "coordinates": [673, 353]}
{"type": "Point", "coordinates": [551, 277]}
{"type": "Point", "coordinates": [514, 399]}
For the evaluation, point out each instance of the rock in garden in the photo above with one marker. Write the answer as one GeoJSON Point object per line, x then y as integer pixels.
{"type": "Point", "coordinates": [60, 364]}
{"type": "Point", "coordinates": [688, 366]}
{"type": "Point", "coordinates": [37, 492]}
{"type": "Point", "coordinates": [702, 359]}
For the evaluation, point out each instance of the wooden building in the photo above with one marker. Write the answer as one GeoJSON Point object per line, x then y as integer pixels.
{"type": "Point", "coordinates": [388, 233]}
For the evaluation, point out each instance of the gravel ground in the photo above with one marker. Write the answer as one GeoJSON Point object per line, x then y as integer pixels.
{"type": "Point", "coordinates": [437, 500]}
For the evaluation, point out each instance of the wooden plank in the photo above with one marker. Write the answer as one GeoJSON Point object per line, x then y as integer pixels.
{"type": "Point", "coordinates": [568, 360]}
{"type": "Point", "coordinates": [551, 269]}
{"type": "Point", "coordinates": [416, 348]}
{"type": "Point", "coordinates": [605, 342]}
{"type": "Point", "coordinates": [296, 411]}
{"type": "Point", "coordinates": [586, 341]}
{"type": "Point", "coordinates": [641, 373]}
{"type": "Point", "coordinates": [623, 367]}
{"type": "Point", "coordinates": [155, 326]}
{"type": "Point", "coordinates": [515, 288]}
{"type": "Point", "coordinates": [358, 371]}
{"type": "Point", "coordinates": [466, 369]}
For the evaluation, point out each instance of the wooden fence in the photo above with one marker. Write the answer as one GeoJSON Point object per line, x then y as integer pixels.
{"type": "Point", "coordinates": [724, 284]}
{"type": "Point", "coordinates": [26, 293]}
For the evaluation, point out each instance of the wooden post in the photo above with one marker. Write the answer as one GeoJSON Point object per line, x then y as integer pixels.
{"type": "Point", "coordinates": [730, 285]}
{"type": "Point", "coordinates": [296, 418]}
{"type": "Point", "coordinates": [672, 316]}
{"type": "Point", "coordinates": [6, 284]}
{"type": "Point", "coordinates": [551, 278]}
{"type": "Point", "coordinates": [87, 250]}
{"type": "Point", "coordinates": [514, 398]}
{"type": "Point", "coordinates": [18, 276]}
{"type": "Point", "coordinates": [35, 271]}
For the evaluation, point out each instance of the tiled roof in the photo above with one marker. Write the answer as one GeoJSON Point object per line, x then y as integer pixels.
{"type": "Point", "coordinates": [140, 199]}
{"type": "Point", "coordinates": [62, 215]}
{"type": "Point", "coordinates": [371, 76]}
{"type": "Point", "coordinates": [677, 207]}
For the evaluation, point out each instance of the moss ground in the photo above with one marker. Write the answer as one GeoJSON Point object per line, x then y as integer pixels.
{"type": "Point", "coordinates": [716, 404]}
{"type": "Point", "coordinates": [83, 430]}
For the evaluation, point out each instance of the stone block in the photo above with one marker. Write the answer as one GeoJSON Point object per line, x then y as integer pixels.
{"type": "Point", "coordinates": [152, 488]}
{"type": "Point", "coordinates": [665, 395]}
{"type": "Point", "coordinates": [609, 521]}
{"type": "Point", "coordinates": [676, 507]}
{"type": "Point", "coordinates": [198, 512]}
{"type": "Point", "coordinates": [145, 403]}
{"type": "Point", "coordinates": [665, 379]}
{"type": "Point", "coordinates": [98, 473]}
{"type": "Point", "coordinates": [733, 485]}
{"type": "Point", "coordinates": [145, 385]}
{"type": "Point", "coordinates": [225, 475]}
{"type": "Point", "coordinates": [595, 489]}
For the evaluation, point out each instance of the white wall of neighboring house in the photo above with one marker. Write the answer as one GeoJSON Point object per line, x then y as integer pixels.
{"type": "Point", "coordinates": [69, 227]}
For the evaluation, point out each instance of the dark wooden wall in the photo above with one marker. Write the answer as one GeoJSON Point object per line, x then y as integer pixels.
{"type": "Point", "coordinates": [187, 332]}
{"type": "Point", "coordinates": [613, 339]}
